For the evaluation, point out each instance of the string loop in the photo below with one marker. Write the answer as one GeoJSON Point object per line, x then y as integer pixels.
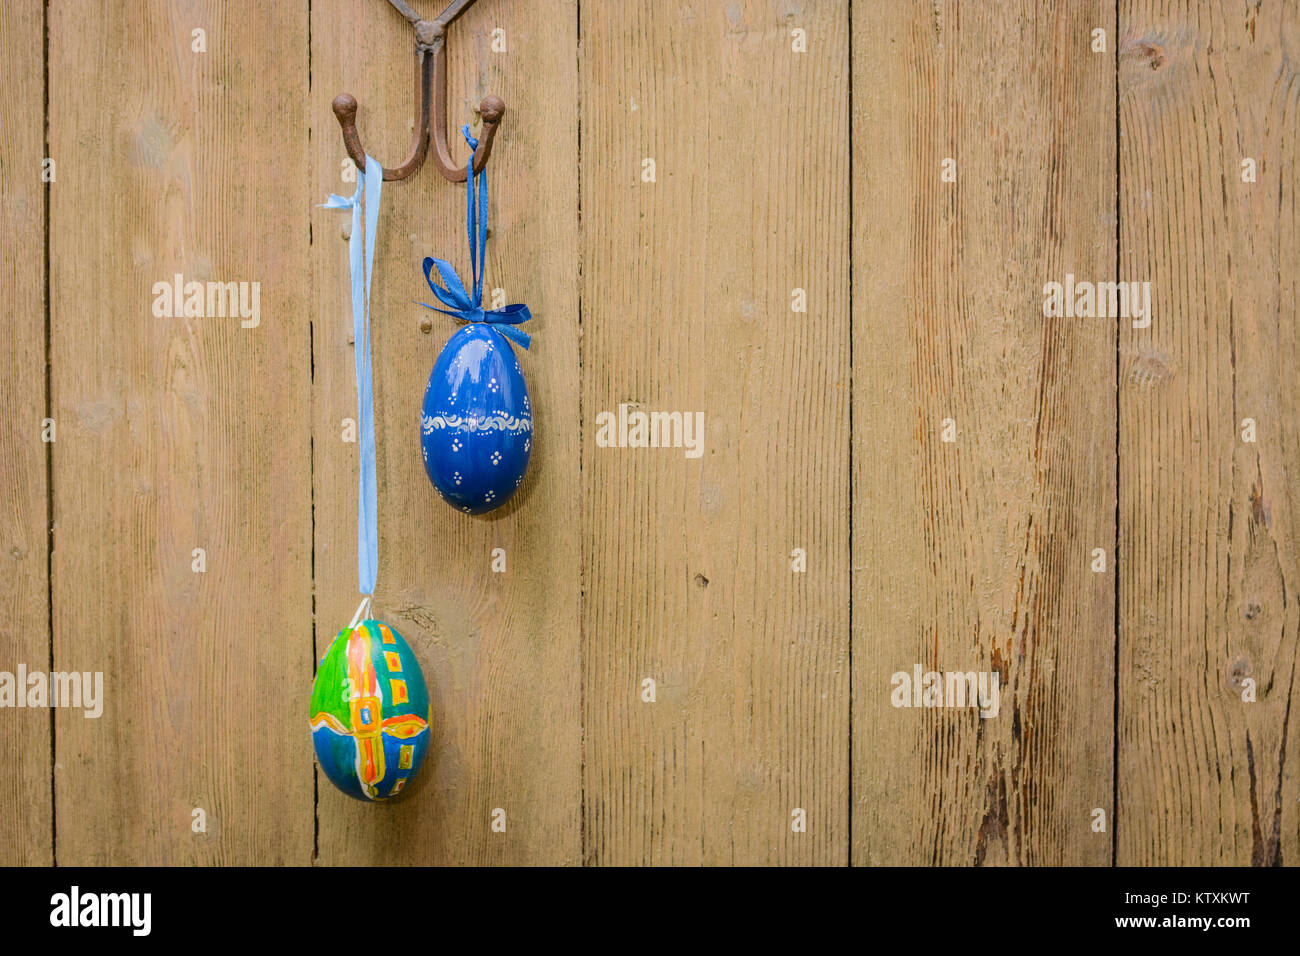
{"type": "Point", "coordinates": [370, 185]}
{"type": "Point", "coordinates": [460, 303]}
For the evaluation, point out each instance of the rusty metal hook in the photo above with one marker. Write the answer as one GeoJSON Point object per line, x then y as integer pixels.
{"type": "Point", "coordinates": [430, 74]}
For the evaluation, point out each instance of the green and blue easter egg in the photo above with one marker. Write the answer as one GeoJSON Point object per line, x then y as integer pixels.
{"type": "Point", "coordinates": [476, 425]}
{"type": "Point", "coordinates": [370, 715]}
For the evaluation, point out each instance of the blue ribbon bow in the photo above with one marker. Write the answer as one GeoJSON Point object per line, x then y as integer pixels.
{"type": "Point", "coordinates": [452, 292]}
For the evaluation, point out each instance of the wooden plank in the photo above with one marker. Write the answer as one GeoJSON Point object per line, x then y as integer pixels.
{"type": "Point", "coordinates": [975, 555]}
{"type": "Point", "coordinates": [25, 798]}
{"type": "Point", "coordinates": [1210, 524]}
{"type": "Point", "coordinates": [687, 307]}
{"type": "Point", "coordinates": [181, 433]}
{"type": "Point", "coordinates": [499, 650]}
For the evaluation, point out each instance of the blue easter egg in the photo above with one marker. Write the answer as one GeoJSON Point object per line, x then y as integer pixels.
{"type": "Point", "coordinates": [476, 426]}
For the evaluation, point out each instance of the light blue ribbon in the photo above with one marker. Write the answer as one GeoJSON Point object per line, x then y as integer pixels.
{"type": "Point", "coordinates": [367, 504]}
{"type": "Point", "coordinates": [452, 292]}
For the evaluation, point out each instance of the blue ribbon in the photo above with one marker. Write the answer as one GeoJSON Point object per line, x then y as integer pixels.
{"type": "Point", "coordinates": [367, 504]}
{"type": "Point", "coordinates": [452, 292]}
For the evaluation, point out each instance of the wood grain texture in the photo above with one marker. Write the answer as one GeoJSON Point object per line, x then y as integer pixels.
{"type": "Point", "coordinates": [1210, 524]}
{"type": "Point", "coordinates": [25, 806]}
{"type": "Point", "coordinates": [181, 433]}
{"type": "Point", "coordinates": [687, 306]}
{"type": "Point", "coordinates": [974, 555]}
{"type": "Point", "coordinates": [499, 651]}
{"type": "Point", "coordinates": [774, 171]}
